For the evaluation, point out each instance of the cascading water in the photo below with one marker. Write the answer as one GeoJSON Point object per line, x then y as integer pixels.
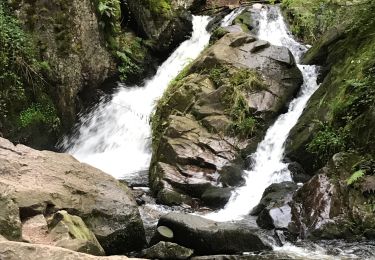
{"type": "Point", "coordinates": [115, 137]}
{"type": "Point", "coordinates": [228, 20]}
{"type": "Point", "coordinates": [268, 164]}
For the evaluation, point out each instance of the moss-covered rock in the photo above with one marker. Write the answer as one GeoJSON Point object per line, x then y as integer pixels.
{"type": "Point", "coordinates": [71, 232]}
{"type": "Point", "coordinates": [339, 115]}
{"type": "Point", "coordinates": [216, 108]}
{"type": "Point", "coordinates": [165, 24]}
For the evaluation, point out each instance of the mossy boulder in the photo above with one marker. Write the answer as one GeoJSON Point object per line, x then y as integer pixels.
{"type": "Point", "coordinates": [164, 23]}
{"type": "Point", "coordinates": [72, 233]}
{"type": "Point", "coordinates": [216, 108]}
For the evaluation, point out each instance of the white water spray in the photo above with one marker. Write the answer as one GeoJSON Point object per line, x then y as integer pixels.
{"type": "Point", "coordinates": [115, 137]}
{"type": "Point", "coordinates": [268, 167]}
{"type": "Point", "coordinates": [228, 20]}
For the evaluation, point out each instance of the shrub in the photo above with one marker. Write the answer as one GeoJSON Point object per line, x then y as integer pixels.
{"type": "Point", "coordinates": [327, 141]}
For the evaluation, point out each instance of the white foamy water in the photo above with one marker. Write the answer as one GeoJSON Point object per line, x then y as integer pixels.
{"type": "Point", "coordinates": [268, 167]}
{"type": "Point", "coordinates": [228, 20]}
{"type": "Point", "coordinates": [115, 137]}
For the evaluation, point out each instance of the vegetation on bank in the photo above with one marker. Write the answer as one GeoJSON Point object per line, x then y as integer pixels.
{"type": "Point", "coordinates": [24, 98]}
{"type": "Point", "coordinates": [341, 114]}
{"type": "Point", "coordinates": [310, 19]}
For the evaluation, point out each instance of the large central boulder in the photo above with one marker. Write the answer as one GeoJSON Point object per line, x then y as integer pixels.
{"type": "Point", "coordinates": [42, 182]}
{"type": "Point", "coordinates": [218, 108]}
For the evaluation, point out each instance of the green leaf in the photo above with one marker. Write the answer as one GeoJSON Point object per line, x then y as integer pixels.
{"type": "Point", "coordinates": [355, 177]}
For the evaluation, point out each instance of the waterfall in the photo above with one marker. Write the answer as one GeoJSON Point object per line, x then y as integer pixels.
{"type": "Point", "coordinates": [116, 136]}
{"type": "Point", "coordinates": [268, 164]}
{"type": "Point", "coordinates": [228, 20]}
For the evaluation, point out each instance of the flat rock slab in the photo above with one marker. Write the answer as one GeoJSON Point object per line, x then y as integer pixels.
{"type": "Point", "coordinates": [24, 251]}
{"type": "Point", "coordinates": [210, 237]}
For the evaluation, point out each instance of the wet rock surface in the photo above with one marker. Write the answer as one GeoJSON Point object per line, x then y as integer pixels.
{"type": "Point", "coordinates": [210, 237]}
{"type": "Point", "coordinates": [273, 210]}
{"type": "Point", "coordinates": [167, 250]}
{"type": "Point", "coordinates": [42, 182]}
{"type": "Point", "coordinates": [199, 126]}
{"type": "Point", "coordinates": [327, 207]}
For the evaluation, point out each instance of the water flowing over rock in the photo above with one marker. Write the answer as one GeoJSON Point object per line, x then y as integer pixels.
{"type": "Point", "coordinates": [192, 125]}
{"type": "Point", "coordinates": [42, 182]}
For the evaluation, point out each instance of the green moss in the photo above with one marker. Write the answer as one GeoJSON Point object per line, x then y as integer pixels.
{"type": "Point", "coordinates": [244, 20]}
{"type": "Point", "coordinates": [158, 7]}
{"type": "Point", "coordinates": [217, 34]}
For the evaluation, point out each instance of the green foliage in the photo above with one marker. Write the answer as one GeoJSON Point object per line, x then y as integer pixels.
{"type": "Point", "coordinates": [355, 177]}
{"type": "Point", "coordinates": [110, 15]}
{"type": "Point", "coordinates": [44, 114]}
{"type": "Point", "coordinates": [311, 18]}
{"type": "Point", "coordinates": [217, 74]}
{"type": "Point", "coordinates": [248, 80]}
{"type": "Point", "coordinates": [327, 141]}
{"type": "Point", "coordinates": [126, 65]}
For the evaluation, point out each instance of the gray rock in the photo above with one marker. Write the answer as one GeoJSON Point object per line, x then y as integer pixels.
{"type": "Point", "coordinates": [10, 250]}
{"type": "Point", "coordinates": [210, 237]}
{"type": "Point", "coordinates": [167, 250]}
{"type": "Point", "coordinates": [45, 182]}
{"type": "Point", "coordinates": [274, 210]}
{"type": "Point", "coordinates": [217, 197]}
{"type": "Point", "coordinates": [10, 224]}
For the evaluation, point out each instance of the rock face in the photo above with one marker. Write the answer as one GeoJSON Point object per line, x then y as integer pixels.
{"type": "Point", "coordinates": [42, 182]}
{"type": "Point", "coordinates": [210, 237]}
{"type": "Point", "coordinates": [327, 207]}
{"type": "Point", "coordinates": [69, 37]}
{"type": "Point", "coordinates": [165, 24]}
{"type": "Point", "coordinates": [218, 107]}
{"type": "Point", "coordinates": [10, 224]}
{"type": "Point", "coordinates": [273, 210]}
{"type": "Point", "coordinates": [10, 250]}
{"type": "Point", "coordinates": [167, 250]}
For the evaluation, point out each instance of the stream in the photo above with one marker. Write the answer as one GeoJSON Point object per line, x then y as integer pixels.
{"type": "Point", "coordinates": [116, 136]}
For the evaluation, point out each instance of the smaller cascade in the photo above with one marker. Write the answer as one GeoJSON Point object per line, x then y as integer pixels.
{"type": "Point", "coordinates": [116, 136]}
{"type": "Point", "coordinates": [228, 19]}
{"type": "Point", "coordinates": [268, 164]}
